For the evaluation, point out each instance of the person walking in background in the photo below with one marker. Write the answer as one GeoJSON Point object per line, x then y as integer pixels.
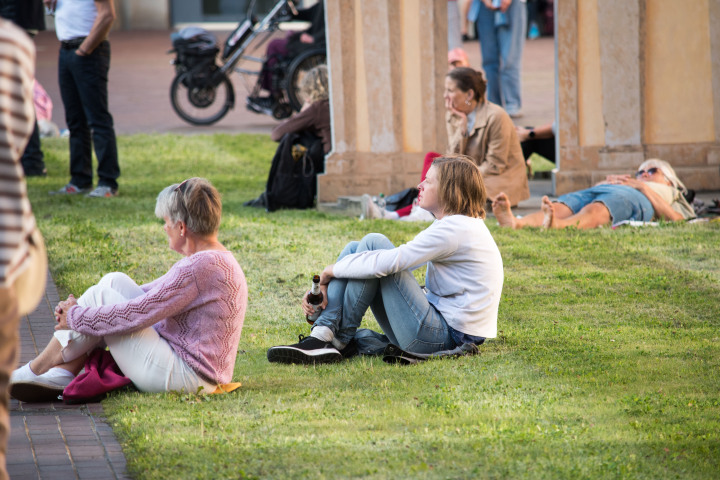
{"type": "Point", "coordinates": [454, 29]}
{"type": "Point", "coordinates": [501, 28]}
{"type": "Point", "coordinates": [82, 27]}
{"type": "Point", "coordinates": [17, 224]}
{"type": "Point", "coordinates": [28, 15]}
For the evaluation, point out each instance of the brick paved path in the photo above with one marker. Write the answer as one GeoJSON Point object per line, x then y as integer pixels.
{"type": "Point", "coordinates": [54, 440]}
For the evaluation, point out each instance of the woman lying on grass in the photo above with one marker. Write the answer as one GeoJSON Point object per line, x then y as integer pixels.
{"type": "Point", "coordinates": [177, 333]}
{"type": "Point", "coordinates": [464, 277]}
{"type": "Point", "coordinates": [655, 193]}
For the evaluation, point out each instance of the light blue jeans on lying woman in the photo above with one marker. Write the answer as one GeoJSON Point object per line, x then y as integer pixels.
{"type": "Point", "coordinates": [397, 301]}
{"type": "Point", "coordinates": [623, 202]}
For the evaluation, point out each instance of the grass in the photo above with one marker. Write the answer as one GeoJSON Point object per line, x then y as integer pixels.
{"type": "Point", "coordinates": [607, 364]}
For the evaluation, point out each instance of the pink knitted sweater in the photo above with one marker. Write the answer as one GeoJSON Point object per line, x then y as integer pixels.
{"type": "Point", "coordinates": [198, 306]}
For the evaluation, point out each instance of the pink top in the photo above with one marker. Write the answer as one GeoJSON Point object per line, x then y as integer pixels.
{"type": "Point", "coordinates": [198, 306]}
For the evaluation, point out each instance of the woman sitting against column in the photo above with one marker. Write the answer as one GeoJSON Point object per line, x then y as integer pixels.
{"type": "Point", "coordinates": [460, 301]}
{"type": "Point", "coordinates": [484, 132]}
{"type": "Point", "coordinates": [179, 332]}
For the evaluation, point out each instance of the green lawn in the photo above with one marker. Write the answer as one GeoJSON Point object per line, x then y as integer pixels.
{"type": "Point", "coordinates": [607, 364]}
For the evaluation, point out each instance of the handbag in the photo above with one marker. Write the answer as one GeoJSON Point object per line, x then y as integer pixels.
{"type": "Point", "coordinates": [30, 284]}
{"type": "Point", "coordinates": [101, 375]}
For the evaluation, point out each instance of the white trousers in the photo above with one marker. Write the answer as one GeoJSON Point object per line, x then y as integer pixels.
{"type": "Point", "coordinates": [143, 356]}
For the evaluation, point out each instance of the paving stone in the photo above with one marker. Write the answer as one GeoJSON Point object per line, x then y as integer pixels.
{"type": "Point", "coordinates": [42, 433]}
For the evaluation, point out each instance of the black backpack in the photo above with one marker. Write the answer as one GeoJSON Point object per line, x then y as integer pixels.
{"type": "Point", "coordinates": [292, 179]}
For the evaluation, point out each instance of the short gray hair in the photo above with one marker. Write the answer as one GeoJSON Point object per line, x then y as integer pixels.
{"type": "Point", "coordinates": [667, 170]}
{"type": "Point", "coordinates": [195, 202]}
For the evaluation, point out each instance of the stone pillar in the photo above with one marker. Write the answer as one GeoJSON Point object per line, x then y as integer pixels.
{"type": "Point", "coordinates": [637, 79]}
{"type": "Point", "coordinates": [387, 61]}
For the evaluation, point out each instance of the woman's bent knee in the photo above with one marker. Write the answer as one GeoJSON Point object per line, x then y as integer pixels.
{"type": "Point", "coordinates": [375, 241]}
{"type": "Point", "coordinates": [113, 278]}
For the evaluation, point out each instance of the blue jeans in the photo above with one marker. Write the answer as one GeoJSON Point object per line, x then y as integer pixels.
{"type": "Point", "coordinates": [623, 202]}
{"type": "Point", "coordinates": [83, 87]}
{"type": "Point", "coordinates": [397, 301]}
{"type": "Point", "coordinates": [501, 48]}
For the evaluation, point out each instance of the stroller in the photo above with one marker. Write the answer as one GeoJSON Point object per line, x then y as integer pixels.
{"type": "Point", "coordinates": [201, 92]}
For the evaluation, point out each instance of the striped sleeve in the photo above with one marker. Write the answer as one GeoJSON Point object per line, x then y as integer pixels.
{"type": "Point", "coordinates": [17, 65]}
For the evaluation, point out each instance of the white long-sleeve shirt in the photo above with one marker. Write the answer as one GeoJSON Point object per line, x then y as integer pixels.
{"type": "Point", "coordinates": [464, 271]}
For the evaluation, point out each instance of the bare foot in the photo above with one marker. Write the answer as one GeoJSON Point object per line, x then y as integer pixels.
{"type": "Point", "coordinates": [503, 213]}
{"type": "Point", "coordinates": [548, 210]}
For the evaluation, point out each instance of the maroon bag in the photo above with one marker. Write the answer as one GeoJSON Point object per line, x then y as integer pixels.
{"type": "Point", "coordinates": [101, 375]}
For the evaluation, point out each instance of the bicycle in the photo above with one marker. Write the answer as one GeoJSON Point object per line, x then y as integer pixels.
{"type": "Point", "coordinates": [201, 92]}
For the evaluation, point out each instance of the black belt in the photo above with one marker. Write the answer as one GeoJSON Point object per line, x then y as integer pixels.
{"type": "Point", "coordinates": [72, 44]}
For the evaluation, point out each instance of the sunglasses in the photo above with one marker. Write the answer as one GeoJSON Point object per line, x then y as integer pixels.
{"type": "Point", "coordinates": [649, 171]}
{"type": "Point", "coordinates": [181, 188]}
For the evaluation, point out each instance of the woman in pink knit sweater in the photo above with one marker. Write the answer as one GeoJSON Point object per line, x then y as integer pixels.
{"type": "Point", "coordinates": [177, 333]}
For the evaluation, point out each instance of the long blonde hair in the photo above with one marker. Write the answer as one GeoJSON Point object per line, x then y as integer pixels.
{"type": "Point", "coordinates": [667, 170]}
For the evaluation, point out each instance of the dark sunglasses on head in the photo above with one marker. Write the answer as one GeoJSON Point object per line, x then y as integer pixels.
{"type": "Point", "coordinates": [181, 187]}
{"type": "Point", "coordinates": [649, 171]}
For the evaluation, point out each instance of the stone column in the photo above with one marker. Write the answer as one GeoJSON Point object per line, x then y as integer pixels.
{"type": "Point", "coordinates": [637, 79]}
{"type": "Point", "coordinates": [387, 61]}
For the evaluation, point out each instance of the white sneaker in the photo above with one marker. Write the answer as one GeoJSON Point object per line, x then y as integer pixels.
{"type": "Point", "coordinates": [103, 191]}
{"type": "Point", "coordinates": [28, 387]}
{"type": "Point", "coordinates": [22, 374]}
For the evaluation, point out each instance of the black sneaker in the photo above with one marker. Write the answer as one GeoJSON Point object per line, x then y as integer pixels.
{"type": "Point", "coordinates": [308, 351]}
{"type": "Point", "coordinates": [350, 350]}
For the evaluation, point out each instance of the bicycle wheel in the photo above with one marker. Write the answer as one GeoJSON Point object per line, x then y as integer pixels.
{"type": "Point", "coordinates": [196, 100]}
{"type": "Point", "coordinates": [296, 72]}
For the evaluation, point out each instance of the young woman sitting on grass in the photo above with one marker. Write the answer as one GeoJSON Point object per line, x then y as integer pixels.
{"type": "Point", "coordinates": [179, 332]}
{"type": "Point", "coordinates": [463, 284]}
{"type": "Point", "coordinates": [655, 193]}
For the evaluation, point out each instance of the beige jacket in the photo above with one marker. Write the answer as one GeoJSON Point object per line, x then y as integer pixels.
{"type": "Point", "coordinates": [494, 145]}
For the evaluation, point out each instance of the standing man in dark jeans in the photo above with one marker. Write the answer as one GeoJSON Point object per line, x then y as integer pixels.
{"type": "Point", "coordinates": [28, 15]}
{"type": "Point", "coordinates": [82, 26]}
